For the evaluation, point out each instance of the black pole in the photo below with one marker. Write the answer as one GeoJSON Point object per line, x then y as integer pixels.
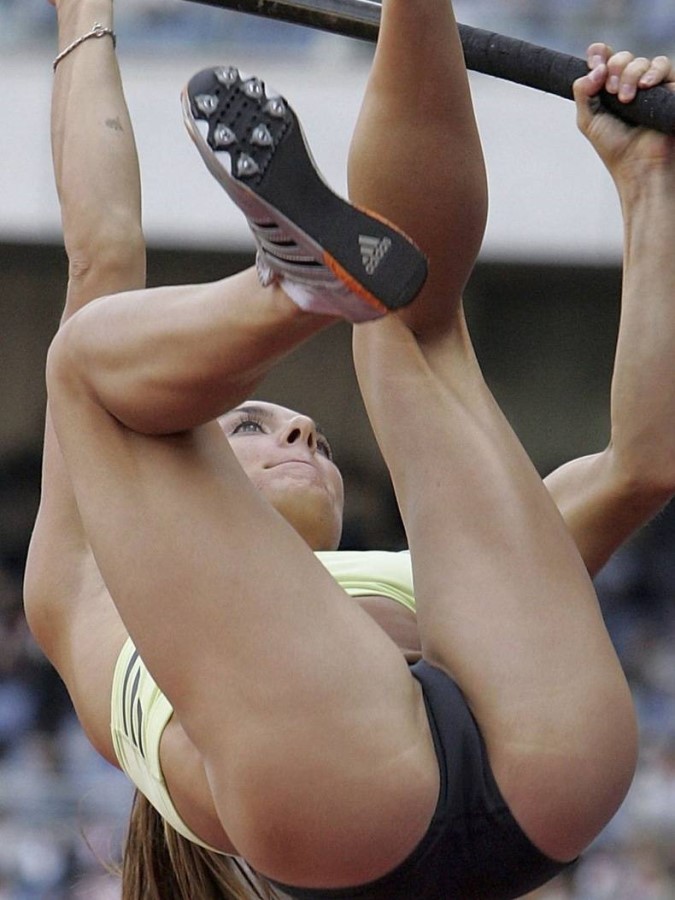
{"type": "Point", "coordinates": [484, 51]}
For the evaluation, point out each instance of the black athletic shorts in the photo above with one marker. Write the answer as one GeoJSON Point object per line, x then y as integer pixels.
{"type": "Point", "coordinates": [474, 849]}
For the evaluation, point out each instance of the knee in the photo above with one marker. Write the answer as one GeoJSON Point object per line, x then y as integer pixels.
{"type": "Point", "coordinates": [567, 794]}
{"type": "Point", "coordinates": [66, 370]}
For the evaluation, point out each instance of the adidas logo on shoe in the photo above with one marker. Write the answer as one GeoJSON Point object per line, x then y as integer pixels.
{"type": "Point", "coordinates": [373, 251]}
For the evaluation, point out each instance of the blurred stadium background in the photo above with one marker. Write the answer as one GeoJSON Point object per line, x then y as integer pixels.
{"type": "Point", "coordinates": [543, 306]}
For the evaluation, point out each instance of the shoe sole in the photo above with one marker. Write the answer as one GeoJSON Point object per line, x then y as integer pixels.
{"type": "Point", "coordinates": [253, 144]}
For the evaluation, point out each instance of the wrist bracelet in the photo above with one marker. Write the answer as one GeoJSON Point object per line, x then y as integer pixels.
{"type": "Point", "coordinates": [98, 31]}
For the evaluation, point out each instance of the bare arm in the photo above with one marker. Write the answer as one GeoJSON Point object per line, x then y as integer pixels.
{"type": "Point", "coordinates": [606, 497]}
{"type": "Point", "coordinates": [95, 161]}
{"type": "Point", "coordinates": [97, 179]}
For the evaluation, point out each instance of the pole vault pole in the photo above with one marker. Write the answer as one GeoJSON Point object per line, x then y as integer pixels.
{"type": "Point", "coordinates": [484, 51]}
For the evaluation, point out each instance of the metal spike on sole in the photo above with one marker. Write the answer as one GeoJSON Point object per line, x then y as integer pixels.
{"type": "Point", "coordinates": [223, 136]}
{"type": "Point", "coordinates": [206, 103]}
{"type": "Point", "coordinates": [247, 166]}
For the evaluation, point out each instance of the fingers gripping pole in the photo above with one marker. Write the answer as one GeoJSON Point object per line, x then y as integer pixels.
{"type": "Point", "coordinates": [484, 51]}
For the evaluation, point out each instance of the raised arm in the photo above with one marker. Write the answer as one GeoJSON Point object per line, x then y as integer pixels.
{"type": "Point", "coordinates": [97, 180]}
{"type": "Point", "coordinates": [606, 497]}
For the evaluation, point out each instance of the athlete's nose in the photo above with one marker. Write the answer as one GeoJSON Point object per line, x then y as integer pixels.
{"type": "Point", "coordinates": [301, 429]}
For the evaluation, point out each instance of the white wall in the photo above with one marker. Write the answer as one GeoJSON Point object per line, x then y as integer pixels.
{"type": "Point", "coordinates": [550, 197]}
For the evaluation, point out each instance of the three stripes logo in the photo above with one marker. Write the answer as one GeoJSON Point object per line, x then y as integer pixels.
{"type": "Point", "coordinates": [373, 251]}
{"type": "Point", "coordinates": [132, 708]}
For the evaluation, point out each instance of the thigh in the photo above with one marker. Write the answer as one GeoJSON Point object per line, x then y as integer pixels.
{"type": "Point", "coordinates": [504, 603]}
{"type": "Point", "coordinates": [297, 700]}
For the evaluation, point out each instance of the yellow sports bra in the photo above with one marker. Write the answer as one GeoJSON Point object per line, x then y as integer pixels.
{"type": "Point", "coordinates": [362, 573]}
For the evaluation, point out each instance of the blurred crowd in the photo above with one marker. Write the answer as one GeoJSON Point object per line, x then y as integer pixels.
{"type": "Point", "coordinates": [645, 25]}
{"type": "Point", "coordinates": [62, 808]}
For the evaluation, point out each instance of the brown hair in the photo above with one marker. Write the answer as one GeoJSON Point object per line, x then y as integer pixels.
{"type": "Point", "coordinates": [158, 864]}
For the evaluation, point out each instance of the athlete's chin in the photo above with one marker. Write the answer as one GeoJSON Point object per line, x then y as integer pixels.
{"type": "Point", "coordinates": [314, 514]}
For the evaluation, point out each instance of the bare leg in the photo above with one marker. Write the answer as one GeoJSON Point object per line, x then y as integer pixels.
{"type": "Point", "coordinates": [416, 156]}
{"type": "Point", "coordinates": [504, 603]}
{"type": "Point", "coordinates": [270, 667]}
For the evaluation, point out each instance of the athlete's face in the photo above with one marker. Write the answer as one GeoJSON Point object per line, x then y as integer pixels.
{"type": "Point", "coordinates": [289, 461]}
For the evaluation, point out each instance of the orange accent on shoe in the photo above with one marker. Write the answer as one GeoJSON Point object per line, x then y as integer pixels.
{"type": "Point", "coordinates": [354, 286]}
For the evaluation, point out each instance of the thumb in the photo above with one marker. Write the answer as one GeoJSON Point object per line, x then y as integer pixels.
{"type": "Point", "coordinates": [585, 90]}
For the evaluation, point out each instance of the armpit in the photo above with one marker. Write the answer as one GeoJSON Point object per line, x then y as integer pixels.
{"type": "Point", "coordinates": [399, 623]}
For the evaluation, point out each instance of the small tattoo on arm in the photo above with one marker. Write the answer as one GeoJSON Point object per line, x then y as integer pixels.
{"type": "Point", "coordinates": [114, 124]}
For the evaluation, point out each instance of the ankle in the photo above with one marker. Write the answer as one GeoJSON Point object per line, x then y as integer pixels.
{"type": "Point", "coordinates": [322, 299]}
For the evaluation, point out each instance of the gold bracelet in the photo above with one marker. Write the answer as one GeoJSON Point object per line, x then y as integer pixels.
{"type": "Point", "coordinates": [98, 31]}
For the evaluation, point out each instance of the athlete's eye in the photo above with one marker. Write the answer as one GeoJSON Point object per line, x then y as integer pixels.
{"type": "Point", "coordinates": [324, 447]}
{"type": "Point", "coordinates": [248, 424]}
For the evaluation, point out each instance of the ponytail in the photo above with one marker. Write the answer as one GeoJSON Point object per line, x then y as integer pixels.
{"type": "Point", "coordinates": [159, 864]}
